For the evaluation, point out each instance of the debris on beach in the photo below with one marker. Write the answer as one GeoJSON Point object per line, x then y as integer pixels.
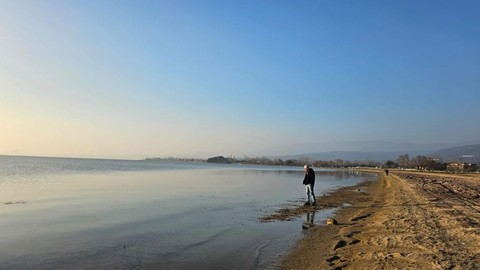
{"type": "Point", "coordinates": [15, 202]}
{"type": "Point", "coordinates": [332, 221]}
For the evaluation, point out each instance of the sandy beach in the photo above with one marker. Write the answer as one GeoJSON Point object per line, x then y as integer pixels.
{"type": "Point", "coordinates": [405, 220]}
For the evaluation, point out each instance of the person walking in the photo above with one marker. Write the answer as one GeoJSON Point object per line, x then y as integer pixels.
{"type": "Point", "coordinates": [309, 182]}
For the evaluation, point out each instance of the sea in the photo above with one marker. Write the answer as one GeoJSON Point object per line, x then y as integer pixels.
{"type": "Point", "coordinates": [71, 213]}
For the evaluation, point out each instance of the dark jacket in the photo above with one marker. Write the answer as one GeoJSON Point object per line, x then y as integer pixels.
{"type": "Point", "coordinates": [309, 177]}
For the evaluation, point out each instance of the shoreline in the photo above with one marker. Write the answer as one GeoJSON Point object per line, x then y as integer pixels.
{"type": "Point", "coordinates": [337, 198]}
{"type": "Point", "coordinates": [406, 220]}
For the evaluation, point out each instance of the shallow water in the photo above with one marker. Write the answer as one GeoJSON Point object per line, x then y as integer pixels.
{"type": "Point", "coordinates": [103, 214]}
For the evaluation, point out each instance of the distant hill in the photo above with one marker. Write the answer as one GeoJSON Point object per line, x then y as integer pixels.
{"type": "Point", "coordinates": [369, 150]}
{"type": "Point", "coordinates": [355, 155]}
{"type": "Point", "coordinates": [465, 153]}
{"type": "Point", "coordinates": [375, 146]}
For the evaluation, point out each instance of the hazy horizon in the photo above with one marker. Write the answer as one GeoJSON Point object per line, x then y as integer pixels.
{"type": "Point", "coordinates": [124, 79]}
{"type": "Point", "coordinates": [345, 146]}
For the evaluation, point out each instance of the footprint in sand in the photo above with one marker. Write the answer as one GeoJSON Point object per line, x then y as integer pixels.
{"type": "Point", "coordinates": [361, 217]}
{"type": "Point", "coordinates": [340, 244]}
{"type": "Point", "coordinates": [354, 242]}
{"type": "Point", "coordinates": [332, 259]}
{"type": "Point", "coordinates": [350, 234]}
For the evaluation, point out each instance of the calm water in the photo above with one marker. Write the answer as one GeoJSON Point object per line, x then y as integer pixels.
{"type": "Point", "coordinates": [58, 213]}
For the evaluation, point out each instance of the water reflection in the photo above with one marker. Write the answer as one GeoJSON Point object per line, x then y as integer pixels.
{"type": "Point", "coordinates": [309, 220]}
{"type": "Point", "coordinates": [337, 174]}
{"type": "Point", "coordinates": [94, 207]}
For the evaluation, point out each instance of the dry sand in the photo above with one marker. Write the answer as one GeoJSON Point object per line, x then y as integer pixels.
{"type": "Point", "coordinates": [402, 221]}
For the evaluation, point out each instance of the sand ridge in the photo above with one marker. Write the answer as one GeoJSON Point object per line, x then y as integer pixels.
{"type": "Point", "coordinates": [406, 221]}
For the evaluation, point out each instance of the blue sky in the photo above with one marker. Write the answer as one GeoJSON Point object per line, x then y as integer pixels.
{"type": "Point", "coordinates": [197, 78]}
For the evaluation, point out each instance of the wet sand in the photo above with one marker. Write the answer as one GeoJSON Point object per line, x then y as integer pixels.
{"type": "Point", "coordinates": [406, 220]}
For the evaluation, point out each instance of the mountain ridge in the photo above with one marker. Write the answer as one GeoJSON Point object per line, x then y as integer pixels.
{"type": "Point", "coordinates": [456, 153]}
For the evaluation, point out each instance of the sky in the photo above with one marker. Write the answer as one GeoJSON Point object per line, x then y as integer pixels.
{"type": "Point", "coordinates": [200, 78]}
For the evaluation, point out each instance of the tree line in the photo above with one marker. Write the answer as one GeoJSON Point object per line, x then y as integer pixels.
{"type": "Point", "coordinates": [419, 162]}
{"type": "Point", "coordinates": [403, 161]}
{"type": "Point", "coordinates": [429, 163]}
{"type": "Point", "coordinates": [337, 163]}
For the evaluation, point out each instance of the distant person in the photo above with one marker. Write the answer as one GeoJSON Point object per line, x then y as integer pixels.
{"type": "Point", "coordinates": [386, 171]}
{"type": "Point", "coordinates": [309, 182]}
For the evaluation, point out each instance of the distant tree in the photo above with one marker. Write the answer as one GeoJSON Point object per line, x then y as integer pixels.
{"type": "Point", "coordinates": [291, 162]}
{"type": "Point", "coordinates": [278, 162]}
{"type": "Point", "coordinates": [390, 164]}
{"type": "Point", "coordinates": [338, 163]}
{"type": "Point", "coordinates": [320, 163]}
{"type": "Point", "coordinates": [306, 160]}
{"type": "Point", "coordinates": [403, 161]}
{"type": "Point", "coordinates": [218, 159]}
{"type": "Point", "coordinates": [433, 165]}
{"type": "Point", "coordinates": [420, 162]}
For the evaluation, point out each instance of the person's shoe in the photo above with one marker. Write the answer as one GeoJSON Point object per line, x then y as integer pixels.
{"type": "Point", "coordinates": [313, 204]}
{"type": "Point", "coordinates": [307, 203]}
